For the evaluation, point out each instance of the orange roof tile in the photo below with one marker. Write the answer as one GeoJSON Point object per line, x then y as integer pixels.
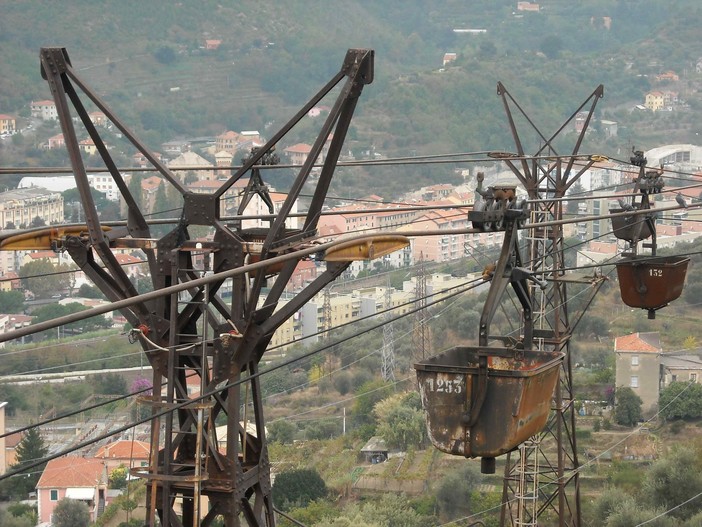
{"type": "Point", "coordinates": [13, 440]}
{"type": "Point", "coordinates": [126, 259]}
{"type": "Point", "coordinates": [300, 147]}
{"type": "Point", "coordinates": [38, 255]}
{"type": "Point", "coordinates": [124, 449]}
{"type": "Point", "coordinates": [72, 471]}
{"type": "Point", "coordinates": [150, 183]}
{"type": "Point", "coordinates": [639, 342]}
{"type": "Point", "coordinates": [228, 135]}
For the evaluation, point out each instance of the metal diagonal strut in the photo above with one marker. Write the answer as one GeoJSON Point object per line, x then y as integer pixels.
{"type": "Point", "coordinates": [196, 337]}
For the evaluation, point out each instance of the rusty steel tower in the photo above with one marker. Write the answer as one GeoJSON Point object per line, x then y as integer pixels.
{"type": "Point", "coordinates": [211, 333]}
{"type": "Point", "coordinates": [538, 477]}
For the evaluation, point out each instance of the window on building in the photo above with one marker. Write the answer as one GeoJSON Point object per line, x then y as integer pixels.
{"type": "Point", "coordinates": [53, 494]}
{"type": "Point", "coordinates": [634, 381]}
{"type": "Point", "coordinates": [693, 377]}
{"type": "Point", "coordinates": [634, 360]}
{"type": "Point", "coordinates": [674, 378]}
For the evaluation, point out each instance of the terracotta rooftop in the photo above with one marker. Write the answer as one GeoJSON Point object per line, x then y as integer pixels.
{"type": "Point", "coordinates": [72, 471]}
{"type": "Point", "coordinates": [299, 147]}
{"type": "Point", "coordinates": [639, 342]}
{"type": "Point", "coordinates": [124, 449]}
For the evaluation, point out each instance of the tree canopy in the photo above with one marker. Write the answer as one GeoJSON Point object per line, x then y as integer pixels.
{"type": "Point", "coordinates": [673, 480]}
{"type": "Point", "coordinates": [627, 411]}
{"type": "Point", "coordinates": [45, 279]}
{"type": "Point", "coordinates": [11, 302]}
{"type": "Point", "coordinates": [681, 400]}
{"type": "Point", "coordinates": [297, 488]}
{"type": "Point", "coordinates": [30, 449]}
{"type": "Point", "coordinates": [401, 421]}
{"type": "Point", "coordinates": [70, 513]}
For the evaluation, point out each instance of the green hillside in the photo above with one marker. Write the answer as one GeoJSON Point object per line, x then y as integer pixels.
{"type": "Point", "coordinates": [273, 56]}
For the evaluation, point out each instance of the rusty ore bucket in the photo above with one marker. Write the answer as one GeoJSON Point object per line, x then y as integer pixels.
{"type": "Point", "coordinates": [651, 282]}
{"type": "Point", "coordinates": [630, 227]}
{"type": "Point", "coordinates": [484, 402]}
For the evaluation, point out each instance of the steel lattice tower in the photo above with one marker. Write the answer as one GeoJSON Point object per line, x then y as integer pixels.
{"type": "Point", "coordinates": [538, 479]}
{"type": "Point", "coordinates": [388, 353]}
{"type": "Point", "coordinates": [421, 339]}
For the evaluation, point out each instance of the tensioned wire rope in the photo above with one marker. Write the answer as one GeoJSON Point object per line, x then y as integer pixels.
{"type": "Point", "coordinates": [98, 439]}
{"type": "Point", "coordinates": [468, 286]}
{"type": "Point", "coordinates": [583, 466]}
{"type": "Point", "coordinates": [463, 287]}
{"type": "Point", "coordinates": [416, 207]}
{"type": "Point", "coordinates": [284, 363]}
{"type": "Point", "coordinates": [179, 406]}
{"type": "Point", "coordinates": [63, 416]}
{"type": "Point", "coordinates": [599, 265]}
{"type": "Point", "coordinates": [415, 221]}
{"type": "Point", "coordinates": [604, 263]}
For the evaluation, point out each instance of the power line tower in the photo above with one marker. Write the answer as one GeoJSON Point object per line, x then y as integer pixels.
{"type": "Point", "coordinates": [421, 335]}
{"type": "Point", "coordinates": [190, 332]}
{"type": "Point", "coordinates": [327, 314]}
{"type": "Point", "coordinates": [538, 477]}
{"type": "Point", "coordinates": [387, 367]}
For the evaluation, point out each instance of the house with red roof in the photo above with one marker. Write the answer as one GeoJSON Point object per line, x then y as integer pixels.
{"type": "Point", "coordinates": [75, 478]}
{"type": "Point", "coordinates": [637, 366]}
{"type": "Point", "coordinates": [449, 57]}
{"type": "Point", "coordinates": [124, 452]}
{"type": "Point", "coordinates": [227, 142]}
{"type": "Point", "coordinates": [297, 154]}
{"type": "Point", "coordinates": [55, 141]}
{"type": "Point", "coordinates": [305, 272]}
{"type": "Point", "coordinates": [88, 146]}
{"type": "Point", "coordinates": [45, 110]}
{"type": "Point", "coordinates": [97, 118]}
{"type": "Point", "coordinates": [11, 442]}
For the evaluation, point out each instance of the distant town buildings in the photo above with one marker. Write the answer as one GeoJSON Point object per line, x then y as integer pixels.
{"type": "Point", "coordinates": [45, 110]}
{"type": "Point", "coordinates": [448, 58]}
{"type": "Point", "coordinates": [528, 6]}
{"type": "Point", "coordinates": [102, 182]}
{"type": "Point", "coordinates": [20, 207]}
{"type": "Point", "coordinates": [8, 124]}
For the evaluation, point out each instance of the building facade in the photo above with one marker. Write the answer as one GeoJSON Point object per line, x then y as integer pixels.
{"type": "Point", "coordinates": [638, 359]}
{"type": "Point", "coordinates": [20, 207]}
{"type": "Point", "coordinates": [44, 110]}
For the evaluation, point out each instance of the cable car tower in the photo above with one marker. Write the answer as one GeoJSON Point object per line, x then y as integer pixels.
{"type": "Point", "coordinates": [199, 336]}
{"type": "Point", "coordinates": [538, 480]}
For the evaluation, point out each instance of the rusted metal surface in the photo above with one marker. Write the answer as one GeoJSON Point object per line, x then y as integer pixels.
{"type": "Point", "coordinates": [631, 228]}
{"type": "Point", "coordinates": [651, 283]}
{"type": "Point", "coordinates": [486, 411]}
{"type": "Point", "coordinates": [195, 329]}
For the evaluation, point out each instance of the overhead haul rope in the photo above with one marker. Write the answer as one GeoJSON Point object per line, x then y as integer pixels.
{"type": "Point", "coordinates": [179, 406]}
{"type": "Point", "coordinates": [471, 285]}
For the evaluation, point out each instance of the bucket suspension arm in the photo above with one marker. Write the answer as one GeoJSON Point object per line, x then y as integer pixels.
{"type": "Point", "coordinates": [509, 271]}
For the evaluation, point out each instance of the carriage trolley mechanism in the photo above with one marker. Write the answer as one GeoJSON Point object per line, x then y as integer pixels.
{"type": "Point", "coordinates": [485, 401]}
{"type": "Point", "coordinates": [646, 281]}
